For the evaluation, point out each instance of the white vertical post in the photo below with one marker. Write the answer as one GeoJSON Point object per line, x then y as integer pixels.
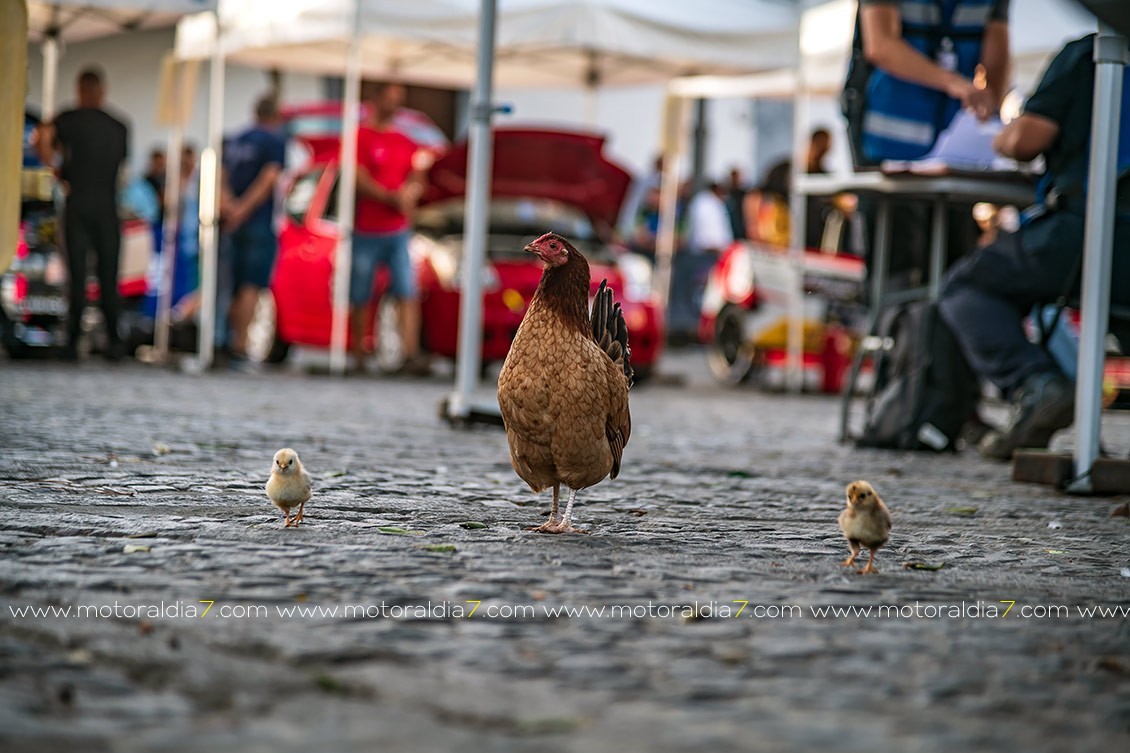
{"type": "Point", "coordinates": [50, 75]}
{"type": "Point", "coordinates": [675, 135]}
{"type": "Point", "coordinates": [346, 196]}
{"type": "Point", "coordinates": [469, 354]}
{"type": "Point", "coordinates": [210, 161]}
{"type": "Point", "coordinates": [1098, 243]}
{"type": "Point", "coordinates": [798, 221]}
{"type": "Point", "coordinates": [169, 232]}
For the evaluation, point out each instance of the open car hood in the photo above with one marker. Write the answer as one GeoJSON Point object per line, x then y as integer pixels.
{"type": "Point", "coordinates": [566, 166]}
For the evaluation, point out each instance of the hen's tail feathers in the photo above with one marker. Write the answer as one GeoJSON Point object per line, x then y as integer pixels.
{"type": "Point", "coordinates": [609, 330]}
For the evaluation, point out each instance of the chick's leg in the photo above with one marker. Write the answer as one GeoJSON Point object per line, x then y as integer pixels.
{"type": "Point", "coordinates": [870, 566]}
{"type": "Point", "coordinates": [298, 515]}
{"type": "Point", "coordinates": [854, 553]}
{"type": "Point", "coordinates": [286, 519]}
{"type": "Point", "coordinates": [549, 525]}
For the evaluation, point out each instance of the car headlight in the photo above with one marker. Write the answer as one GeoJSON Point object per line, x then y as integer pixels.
{"type": "Point", "coordinates": [637, 273]}
{"type": "Point", "coordinates": [446, 258]}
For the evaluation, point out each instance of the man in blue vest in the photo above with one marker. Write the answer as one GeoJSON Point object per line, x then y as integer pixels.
{"type": "Point", "coordinates": [930, 58]}
{"type": "Point", "coordinates": [918, 63]}
{"type": "Point", "coordinates": [987, 295]}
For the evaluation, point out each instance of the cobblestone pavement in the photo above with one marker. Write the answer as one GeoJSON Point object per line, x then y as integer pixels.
{"type": "Point", "coordinates": [126, 487]}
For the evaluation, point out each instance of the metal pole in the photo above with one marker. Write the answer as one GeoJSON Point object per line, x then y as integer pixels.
{"type": "Point", "coordinates": [469, 354]}
{"type": "Point", "coordinates": [675, 115]}
{"type": "Point", "coordinates": [50, 74]}
{"type": "Point", "coordinates": [346, 196]}
{"type": "Point", "coordinates": [210, 161]}
{"type": "Point", "coordinates": [798, 215]}
{"type": "Point", "coordinates": [169, 232]}
{"type": "Point", "coordinates": [1098, 242]}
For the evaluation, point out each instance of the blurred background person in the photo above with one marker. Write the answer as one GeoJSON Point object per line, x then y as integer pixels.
{"type": "Point", "coordinates": [253, 162]}
{"type": "Point", "coordinates": [93, 146]}
{"type": "Point", "coordinates": [389, 185]}
{"type": "Point", "coordinates": [735, 193]}
{"type": "Point", "coordinates": [766, 208]}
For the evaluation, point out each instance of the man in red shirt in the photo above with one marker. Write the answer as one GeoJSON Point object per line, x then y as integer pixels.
{"type": "Point", "coordinates": [388, 187]}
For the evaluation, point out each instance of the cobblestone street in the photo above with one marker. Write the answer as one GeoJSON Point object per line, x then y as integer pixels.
{"type": "Point", "coordinates": [125, 488]}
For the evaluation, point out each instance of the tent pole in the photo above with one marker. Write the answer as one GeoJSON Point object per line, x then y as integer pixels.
{"type": "Point", "coordinates": [1098, 243]}
{"type": "Point", "coordinates": [674, 139]}
{"type": "Point", "coordinates": [469, 354]}
{"type": "Point", "coordinates": [169, 231]}
{"type": "Point", "coordinates": [798, 222]}
{"type": "Point", "coordinates": [210, 161]}
{"type": "Point", "coordinates": [347, 195]}
{"type": "Point", "coordinates": [50, 75]}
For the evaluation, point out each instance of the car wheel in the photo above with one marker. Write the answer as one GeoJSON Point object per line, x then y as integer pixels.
{"type": "Point", "coordinates": [263, 341]}
{"type": "Point", "coordinates": [729, 356]}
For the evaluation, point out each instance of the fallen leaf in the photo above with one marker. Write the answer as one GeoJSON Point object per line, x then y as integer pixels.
{"type": "Point", "coordinates": [145, 627]}
{"type": "Point", "coordinates": [161, 449]}
{"type": "Point", "coordinates": [1055, 551]}
{"type": "Point", "coordinates": [135, 549]}
{"type": "Point", "coordinates": [538, 595]}
{"type": "Point", "coordinates": [637, 513]}
{"type": "Point", "coordinates": [440, 548]}
{"type": "Point", "coordinates": [335, 474]}
{"type": "Point", "coordinates": [1122, 511]}
{"type": "Point", "coordinates": [923, 565]}
{"type": "Point", "coordinates": [739, 474]}
{"type": "Point", "coordinates": [472, 525]}
{"type": "Point", "coordinates": [393, 530]}
{"type": "Point", "coordinates": [967, 512]}
{"type": "Point", "coordinates": [143, 535]}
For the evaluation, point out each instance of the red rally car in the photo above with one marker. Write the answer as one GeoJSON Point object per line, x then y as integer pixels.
{"type": "Point", "coordinates": [541, 181]}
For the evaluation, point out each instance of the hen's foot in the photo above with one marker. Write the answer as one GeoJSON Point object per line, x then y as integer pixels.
{"type": "Point", "coordinates": [849, 561]}
{"type": "Point", "coordinates": [869, 568]}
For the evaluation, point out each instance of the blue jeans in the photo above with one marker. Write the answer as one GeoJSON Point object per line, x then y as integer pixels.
{"type": "Point", "coordinates": [373, 249]}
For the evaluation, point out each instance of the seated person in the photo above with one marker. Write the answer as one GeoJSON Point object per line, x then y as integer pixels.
{"type": "Point", "coordinates": [766, 208]}
{"type": "Point", "coordinates": [987, 294]}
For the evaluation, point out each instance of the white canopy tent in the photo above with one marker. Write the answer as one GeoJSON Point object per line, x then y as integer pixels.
{"type": "Point", "coordinates": [551, 43]}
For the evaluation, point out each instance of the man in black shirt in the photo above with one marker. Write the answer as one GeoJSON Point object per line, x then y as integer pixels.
{"type": "Point", "coordinates": [988, 294]}
{"type": "Point", "coordinates": [93, 145]}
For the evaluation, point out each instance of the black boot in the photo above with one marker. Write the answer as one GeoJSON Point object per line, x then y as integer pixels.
{"type": "Point", "coordinates": [1041, 406]}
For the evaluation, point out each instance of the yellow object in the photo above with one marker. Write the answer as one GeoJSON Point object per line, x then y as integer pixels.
{"type": "Point", "coordinates": [13, 77]}
{"type": "Point", "coordinates": [513, 300]}
{"type": "Point", "coordinates": [776, 336]}
{"type": "Point", "coordinates": [36, 183]}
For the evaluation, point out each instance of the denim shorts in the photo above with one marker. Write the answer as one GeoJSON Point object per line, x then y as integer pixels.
{"type": "Point", "coordinates": [251, 249]}
{"type": "Point", "coordinates": [373, 249]}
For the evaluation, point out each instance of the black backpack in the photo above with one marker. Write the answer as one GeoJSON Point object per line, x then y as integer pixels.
{"type": "Point", "coordinates": [924, 391]}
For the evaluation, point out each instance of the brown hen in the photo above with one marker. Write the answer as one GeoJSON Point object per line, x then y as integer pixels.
{"type": "Point", "coordinates": [563, 389]}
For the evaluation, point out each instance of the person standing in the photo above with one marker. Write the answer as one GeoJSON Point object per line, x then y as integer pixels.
{"type": "Point", "coordinates": [93, 145]}
{"type": "Point", "coordinates": [253, 162]}
{"type": "Point", "coordinates": [389, 185]}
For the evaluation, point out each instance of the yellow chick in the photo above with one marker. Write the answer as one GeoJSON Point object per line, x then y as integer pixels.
{"type": "Point", "coordinates": [865, 521]}
{"type": "Point", "coordinates": [289, 485]}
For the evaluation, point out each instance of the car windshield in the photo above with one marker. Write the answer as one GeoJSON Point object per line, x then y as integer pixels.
{"type": "Point", "coordinates": [301, 194]}
{"type": "Point", "coordinates": [513, 222]}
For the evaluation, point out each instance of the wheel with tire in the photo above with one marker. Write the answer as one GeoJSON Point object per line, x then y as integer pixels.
{"type": "Point", "coordinates": [263, 341]}
{"type": "Point", "coordinates": [729, 356]}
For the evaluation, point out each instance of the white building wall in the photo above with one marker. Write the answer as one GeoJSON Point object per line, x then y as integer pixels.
{"type": "Point", "coordinates": [132, 63]}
